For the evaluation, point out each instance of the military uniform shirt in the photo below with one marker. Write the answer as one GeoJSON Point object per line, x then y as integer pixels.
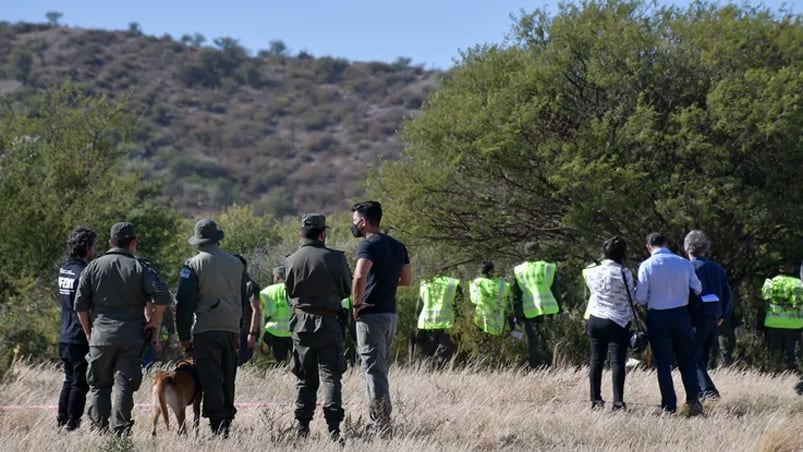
{"type": "Point", "coordinates": [114, 289]}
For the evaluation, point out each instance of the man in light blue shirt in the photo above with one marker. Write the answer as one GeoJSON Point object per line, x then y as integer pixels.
{"type": "Point", "coordinates": [663, 285]}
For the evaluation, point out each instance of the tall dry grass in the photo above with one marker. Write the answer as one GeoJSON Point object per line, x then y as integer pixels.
{"type": "Point", "coordinates": [461, 409]}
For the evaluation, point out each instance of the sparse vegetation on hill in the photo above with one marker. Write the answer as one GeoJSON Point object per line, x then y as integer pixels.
{"type": "Point", "coordinates": [217, 125]}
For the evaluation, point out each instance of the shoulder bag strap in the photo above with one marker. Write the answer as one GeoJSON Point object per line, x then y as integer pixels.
{"type": "Point", "coordinates": [636, 320]}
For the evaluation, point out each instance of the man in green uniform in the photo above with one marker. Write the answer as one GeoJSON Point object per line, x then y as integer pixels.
{"type": "Point", "coordinates": [277, 316]}
{"type": "Point", "coordinates": [318, 278]}
{"type": "Point", "coordinates": [119, 297]}
{"type": "Point", "coordinates": [211, 291]}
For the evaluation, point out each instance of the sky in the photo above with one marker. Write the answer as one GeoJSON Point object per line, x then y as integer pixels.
{"type": "Point", "coordinates": [429, 32]}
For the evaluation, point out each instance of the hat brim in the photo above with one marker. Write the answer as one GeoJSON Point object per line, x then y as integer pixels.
{"type": "Point", "coordinates": [195, 240]}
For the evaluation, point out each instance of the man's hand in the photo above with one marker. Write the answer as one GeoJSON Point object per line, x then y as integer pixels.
{"type": "Point", "coordinates": [252, 341]}
{"type": "Point", "coordinates": [357, 308]}
{"type": "Point", "coordinates": [720, 321]}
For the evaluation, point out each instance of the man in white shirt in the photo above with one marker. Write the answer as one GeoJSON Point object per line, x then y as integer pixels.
{"type": "Point", "coordinates": [663, 285]}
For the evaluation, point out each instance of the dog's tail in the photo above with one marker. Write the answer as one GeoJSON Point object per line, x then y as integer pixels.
{"type": "Point", "coordinates": [168, 380]}
{"type": "Point", "coordinates": [159, 404]}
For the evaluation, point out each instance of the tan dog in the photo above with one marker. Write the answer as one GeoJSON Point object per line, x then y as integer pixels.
{"type": "Point", "coordinates": [177, 389]}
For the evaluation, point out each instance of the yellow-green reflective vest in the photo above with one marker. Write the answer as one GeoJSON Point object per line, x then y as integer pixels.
{"type": "Point", "coordinates": [438, 295]}
{"type": "Point", "coordinates": [490, 297]}
{"type": "Point", "coordinates": [276, 309]}
{"type": "Point", "coordinates": [346, 303]}
{"type": "Point", "coordinates": [535, 280]}
{"type": "Point", "coordinates": [784, 295]}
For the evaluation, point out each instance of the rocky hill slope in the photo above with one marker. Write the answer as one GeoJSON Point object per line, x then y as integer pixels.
{"type": "Point", "coordinates": [219, 125]}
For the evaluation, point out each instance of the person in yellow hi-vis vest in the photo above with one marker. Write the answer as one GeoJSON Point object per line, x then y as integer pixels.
{"type": "Point", "coordinates": [435, 310]}
{"type": "Point", "coordinates": [783, 317]}
{"type": "Point", "coordinates": [277, 317]}
{"type": "Point", "coordinates": [491, 299]}
{"type": "Point", "coordinates": [532, 300]}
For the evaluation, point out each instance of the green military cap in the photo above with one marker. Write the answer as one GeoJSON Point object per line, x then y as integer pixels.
{"type": "Point", "coordinates": [314, 220]}
{"type": "Point", "coordinates": [206, 232]}
{"type": "Point", "coordinates": [123, 230]}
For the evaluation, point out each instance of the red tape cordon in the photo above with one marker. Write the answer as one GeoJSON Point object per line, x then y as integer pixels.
{"type": "Point", "coordinates": [141, 406]}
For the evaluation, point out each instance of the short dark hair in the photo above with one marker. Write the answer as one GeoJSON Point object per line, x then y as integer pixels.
{"type": "Point", "coordinates": [311, 233]}
{"type": "Point", "coordinates": [370, 210]}
{"type": "Point", "coordinates": [79, 241]}
{"type": "Point", "coordinates": [123, 243]}
{"type": "Point", "coordinates": [656, 239]}
{"type": "Point", "coordinates": [615, 248]}
{"type": "Point", "coordinates": [486, 268]}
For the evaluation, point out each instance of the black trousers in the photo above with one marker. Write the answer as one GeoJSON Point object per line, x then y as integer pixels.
{"type": "Point", "coordinates": [606, 337]}
{"type": "Point", "coordinates": [671, 334]}
{"type": "Point", "coordinates": [705, 335]}
{"type": "Point", "coordinates": [437, 344]}
{"type": "Point", "coordinates": [781, 344]}
{"type": "Point", "coordinates": [215, 354]}
{"type": "Point", "coordinates": [279, 346]}
{"type": "Point", "coordinates": [73, 391]}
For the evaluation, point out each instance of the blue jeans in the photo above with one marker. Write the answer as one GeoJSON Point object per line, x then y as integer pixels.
{"type": "Point", "coordinates": [705, 336]}
{"type": "Point", "coordinates": [374, 340]}
{"type": "Point", "coordinates": [670, 332]}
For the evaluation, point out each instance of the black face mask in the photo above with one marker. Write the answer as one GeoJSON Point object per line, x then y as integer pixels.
{"type": "Point", "coordinates": [356, 231]}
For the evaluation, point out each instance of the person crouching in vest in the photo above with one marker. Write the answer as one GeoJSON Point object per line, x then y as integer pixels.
{"type": "Point", "coordinates": [277, 317]}
{"type": "Point", "coordinates": [211, 291]}
{"type": "Point", "coordinates": [532, 300]}
{"type": "Point", "coordinates": [435, 310]}
{"type": "Point", "coordinates": [783, 317]}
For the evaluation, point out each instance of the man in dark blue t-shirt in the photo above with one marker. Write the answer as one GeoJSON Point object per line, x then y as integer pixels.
{"type": "Point", "coordinates": [382, 265]}
{"type": "Point", "coordinates": [73, 346]}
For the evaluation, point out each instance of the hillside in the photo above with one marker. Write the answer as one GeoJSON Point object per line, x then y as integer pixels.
{"type": "Point", "coordinates": [218, 125]}
{"type": "Point", "coordinates": [454, 410]}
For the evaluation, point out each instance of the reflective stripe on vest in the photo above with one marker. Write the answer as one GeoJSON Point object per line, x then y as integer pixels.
{"type": "Point", "coordinates": [276, 310]}
{"type": "Point", "coordinates": [535, 280]}
{"type": "Point", "coordinates": [438, 296]}
{"type": "Point", "coordinates": [490, 298]}
{"type": "Point", "coordinates": [784, 295]}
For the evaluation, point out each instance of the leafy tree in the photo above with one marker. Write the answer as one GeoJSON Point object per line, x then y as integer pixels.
{"type": "Point", "coordinates": [198, 40]}
{"type": "Point", "coordinates": [60, 165]}
{"type": "Point", "coordinates": [609, 118]}
{"type": "Point", "coordinates": [134, 28]}
{"type": "Point", "coordinates": [53, 17]}
{"type": "Point", "coordinates": [277, 48]}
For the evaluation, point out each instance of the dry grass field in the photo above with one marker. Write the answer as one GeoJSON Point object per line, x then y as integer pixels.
{"type": "Point", "coordinates": [462, 409]}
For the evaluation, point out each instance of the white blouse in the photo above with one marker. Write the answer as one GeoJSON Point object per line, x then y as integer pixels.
{"type": "Point", "coordinates": [608, 298]}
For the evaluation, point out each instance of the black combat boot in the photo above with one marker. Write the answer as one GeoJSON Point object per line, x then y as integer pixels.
{"type": "Point", "coordinates": [302, 429]}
